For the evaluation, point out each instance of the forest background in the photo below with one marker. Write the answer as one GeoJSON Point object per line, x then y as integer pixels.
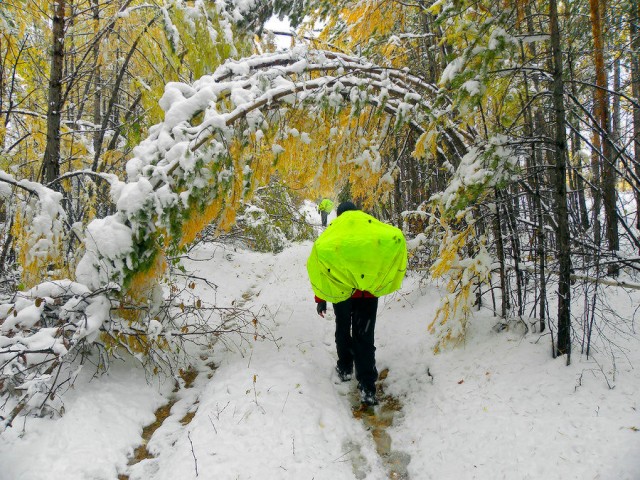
{"type": "Point", "coordinates": [503, 137]}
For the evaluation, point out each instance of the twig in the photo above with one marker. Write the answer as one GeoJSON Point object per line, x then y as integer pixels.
{"type": "Point", "coordinates": [213, 425]}
{"type": "Point", "coordinates": [341, 456]}
{"type": "Point", "coordinates": [255, 394]}
{"type": "Point", "coordinates": [249, 362]}
{"type": "Point", "coordinates": [285, 402]}
{"type": "Point", "coordinates": [6, 422]}
{"type": "Point", "coordinates": [195, 460]}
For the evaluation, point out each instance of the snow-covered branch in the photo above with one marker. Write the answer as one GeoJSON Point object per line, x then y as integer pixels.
{"type": "Point", "coordinates": [180, 169]}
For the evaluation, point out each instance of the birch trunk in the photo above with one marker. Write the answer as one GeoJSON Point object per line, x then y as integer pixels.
{"type": "Point", "coordinates": [51, 162]}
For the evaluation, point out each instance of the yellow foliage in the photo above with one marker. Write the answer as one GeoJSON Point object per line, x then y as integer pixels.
{"type": "Point", "coordinates": [420, 149]}
{"type": "Point", "coordinates": [228, 216]}
{"type": "Point", "coordinates": [450, 321]}
{"type": "Point", "coordinates": [112, 160]}
{"type": "Point", "coordinates": [372, 23]}
{"type": "Point", "coordinates": [461, 280]}
{"type": "Point", "coordinates": [374, 19]}
{"type": "Point", "coordinates": [196, 222]}
{"type": "Point", "coordinates": [133, 342]}
{"type": "Point", "coordinates": [36, 268]}
{"type": "Point", "coordinates": [141, 288]}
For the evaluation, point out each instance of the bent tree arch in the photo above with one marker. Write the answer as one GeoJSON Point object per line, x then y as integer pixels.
{"type": "Point", "coordinates": [221, 137]}
{"type": "Point", "coordinates": [224, 135]}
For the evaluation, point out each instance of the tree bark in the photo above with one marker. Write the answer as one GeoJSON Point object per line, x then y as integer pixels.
{"type": "Point", "coordinates": [51, 162]}
{"type": "Point", "coordinates": [497, 231]}
{"type": "Point", "coordinates": [601, 111]}
{"type": "Point", "coordinates": [634, 18]}
{"type": "Point", "coordinates": [542, 262]}
{"type": "Point", "coordinates": [563, 345]}
{"type": "Point", "coordinates": [97, 78]}
{"type": "Point", "coordinates": [616, 120]}
{"type": "Point", "coordinates": [516, 250]}
{"type": "Point", "coordinates": [536, 129]}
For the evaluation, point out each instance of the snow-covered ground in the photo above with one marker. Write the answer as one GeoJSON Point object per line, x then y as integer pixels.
{"type": "Point", "coordinates": [498, 407]}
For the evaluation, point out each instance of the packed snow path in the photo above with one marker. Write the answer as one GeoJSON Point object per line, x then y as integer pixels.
{"type": "Point", "coordinates": [274, 411]}
{"type": "Point", "coordinates": [497, 407]}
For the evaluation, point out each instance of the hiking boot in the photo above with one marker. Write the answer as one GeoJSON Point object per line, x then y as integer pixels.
{"type": "Point", "coordinates": [343, 374]}
{"type": "Point", "coordinates": [368, 398]}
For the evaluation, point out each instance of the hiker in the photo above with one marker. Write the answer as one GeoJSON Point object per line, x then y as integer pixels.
{"type": "Point", "coordinates": [353, 262]}
{"type": "Point", "coordinates": [325, 208]}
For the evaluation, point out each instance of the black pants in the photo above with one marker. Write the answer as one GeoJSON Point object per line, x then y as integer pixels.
{"type": "Point", "coordinates": [323, 218]}
{"type": "Point", "coordinates": [355, 329]}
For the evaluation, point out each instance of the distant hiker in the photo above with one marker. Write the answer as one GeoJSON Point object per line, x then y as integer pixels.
{"type": "Point", "coordinates": [325, 208]}
{"type": "Point", "coordinates": [353, 262]}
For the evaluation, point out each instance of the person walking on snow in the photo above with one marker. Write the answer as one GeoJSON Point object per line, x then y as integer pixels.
{"type": "Point", "coordinates": [356, 260]}
{"type": "Point", "coordinates": [325, 208]}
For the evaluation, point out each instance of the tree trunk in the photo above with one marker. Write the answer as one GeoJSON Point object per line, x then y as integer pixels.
{"type": "Point", "coordinates": [542, 263]}
{"type": "Point", "coordinates": [497, 231]}
{"type": "Point", "coordinates": [563, 345]}
{"type": "Point", "coordinates": [536, 129]}
{"type": "Point", "coordinates": [601, 112]}
{"type": "Point", "coordinates": [616, 120]}
{"type": "Point", "coordinates": [634, 33]}
{"type": "Point", "coordinates": [576, 155]}
{"type": "Point", "coordinates": [97, 78]}
{"type": "Point", "coordinates": [512, 227]}
{"type": "Point", "coordinates": [576, 152]}
{"type": "Point", "coordinates": [51, 162]}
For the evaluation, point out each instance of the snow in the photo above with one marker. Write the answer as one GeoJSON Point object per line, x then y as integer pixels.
{"type": "Point", "coordinates": [5, 191]}
{"type": "Point", "coordinates": [496, 407]}
{"type": "Point", "coordinates": [472, 86]}
{"type": "Point", "coordinates": [132, 196]}
{"type": "Point", "coordinates": [451, 70]}
{"type": "Point", "coordinates": [488, 166]}
{"type": "Point", "coordinates": [104, 418]}
{"type": "Point", "coordinates": [27, 317]}
{"type": "Point", "coordinates": [46, 214]}
{"type": "Point", "coordinates": [105, 238]}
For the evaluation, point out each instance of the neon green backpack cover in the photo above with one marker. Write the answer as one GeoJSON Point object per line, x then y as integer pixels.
{"type": "Point", "coordinates": [356, 251]}
{"type": "Point", "coordinates": [326, 205]}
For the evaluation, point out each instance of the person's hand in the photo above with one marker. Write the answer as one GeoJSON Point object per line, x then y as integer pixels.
{"type": "Point", "coordinates": [321, 308]}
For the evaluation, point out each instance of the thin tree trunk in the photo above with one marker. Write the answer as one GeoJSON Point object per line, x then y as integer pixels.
{"type": "Point", "coordinates": [97, 78]}
{"type": "Point", "coordinates": [497, 228]}
{"type": "Point", "coordinates": [601, 111]}
{"type": "Point", "coordinates": [6, 247]}
{"type": "Point", "coordinates": [563, 345]}
{"type": "Point", "coordinates": [515, 250]}
{"type": "Point", "coordinates": [616, 126]}
{"type": "Point", "coordinates": [634, 18]}
{"type": "Point", "coordinates": [51, 162]}
{"type": "Point", "coordinates": [576, 146]}
{"type": "Point", "coordinates": [578, 183]}
{"type": "Point", "coordinates": [535, 128]}
{"type": "Point", "coordinates": [542, 262]}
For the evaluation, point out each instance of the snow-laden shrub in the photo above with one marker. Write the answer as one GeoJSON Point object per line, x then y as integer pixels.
{"type": "Point", "coordinates": [273, 219]}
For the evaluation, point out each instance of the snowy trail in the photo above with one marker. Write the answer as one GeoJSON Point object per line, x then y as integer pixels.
{"type": "Point", "coordinates": [275, 411]}
{"type": "Point", "coordinates": [497, 407]}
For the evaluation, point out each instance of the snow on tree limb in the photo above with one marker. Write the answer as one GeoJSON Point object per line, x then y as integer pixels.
{"type": "Point", "coordinates": [178, 172]}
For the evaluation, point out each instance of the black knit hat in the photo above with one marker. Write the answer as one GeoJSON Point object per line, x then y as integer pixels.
{"type": "Point", "coordinates": [345, 206]}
